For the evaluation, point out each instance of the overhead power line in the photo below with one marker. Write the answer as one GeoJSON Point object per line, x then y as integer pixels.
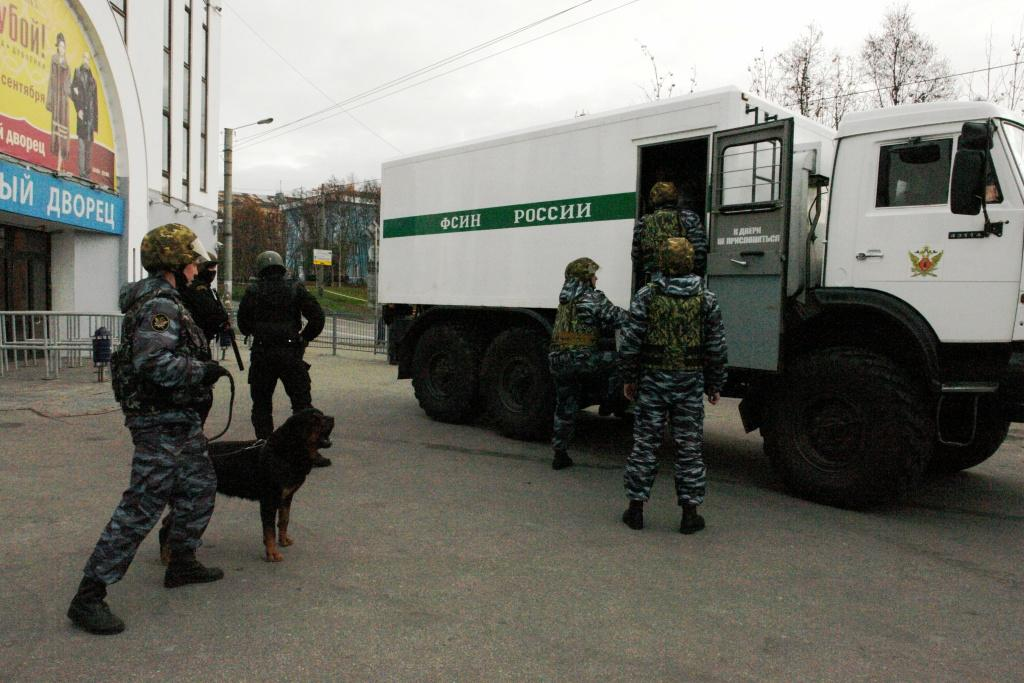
{"type": "Point", "coordinates": [418, 72]}
{"type": "Point", "coordinates": [310, 82]}
{"type": "Point", "coordinates": [329, 111]}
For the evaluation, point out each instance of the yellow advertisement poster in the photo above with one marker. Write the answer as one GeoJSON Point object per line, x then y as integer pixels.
{"type": "Point", "coordinates": [53, 111]}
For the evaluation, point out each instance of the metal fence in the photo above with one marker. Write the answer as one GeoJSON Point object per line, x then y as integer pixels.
{"type": "Point", "coordinates": [61, 340]}
{"type": "Point", "coordinates": [348, 333]}
{"type": "Point", "coordinates": [58, 339]}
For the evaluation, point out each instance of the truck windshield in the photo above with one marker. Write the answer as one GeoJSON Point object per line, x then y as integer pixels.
{"type": "Point", "coordinates": [1015, 135]}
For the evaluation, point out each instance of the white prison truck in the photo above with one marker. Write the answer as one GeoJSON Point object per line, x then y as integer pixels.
{"type": "Point", "coordinates": [869, 280]}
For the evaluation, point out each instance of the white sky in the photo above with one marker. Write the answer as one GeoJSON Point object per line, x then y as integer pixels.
{"type": "Point", "coordinates": [347, 48]}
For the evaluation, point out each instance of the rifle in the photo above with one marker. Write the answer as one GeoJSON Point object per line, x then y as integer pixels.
{"type": "Point", "coordinates": [230, 332]}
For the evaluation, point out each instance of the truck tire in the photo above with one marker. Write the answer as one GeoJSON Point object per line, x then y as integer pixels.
{"type": "Point", "coordinates": [444, 373]}
{"type": "Point", "coordinates": [517, 384]}
{"type": "Point", "coordinates": [989, 435]}
{"type": "Point", "coordinates": [848, 427]}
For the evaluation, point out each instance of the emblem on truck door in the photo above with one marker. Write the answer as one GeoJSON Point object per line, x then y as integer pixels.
{"type": "Point", "coordinates": [924, 261]}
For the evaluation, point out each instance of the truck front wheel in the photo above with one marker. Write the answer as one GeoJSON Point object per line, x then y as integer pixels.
{"type": "Point", "coordinates": [444, 373]}
{"type": "Point", "coordinates": [956, 419]}
{"type": "Point", "coordinates": [849, 427]}
{"type": "Point", "coordinates": [517, 384]}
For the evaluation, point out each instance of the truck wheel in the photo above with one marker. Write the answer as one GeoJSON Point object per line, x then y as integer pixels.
{"type": "Point", "coordinates": [444, 368]}
{"type": "Point", "coordinates": [989, 435]}
{"type": "Point", "coordinates": [848, 427]}
{"type": "Point", "coordinates": [517, 384]}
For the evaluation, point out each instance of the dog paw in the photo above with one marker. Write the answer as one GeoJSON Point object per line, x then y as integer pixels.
{"type": "Point", "coordinates": [275, 557]}
{"type": "Point", "coordinates": [285, 540]}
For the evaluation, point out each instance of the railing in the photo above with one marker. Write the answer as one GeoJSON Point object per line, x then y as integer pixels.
{"type": "Point", "coordinates": [60, 339]}
{"type": "Point", "coordinates": [63, 340]}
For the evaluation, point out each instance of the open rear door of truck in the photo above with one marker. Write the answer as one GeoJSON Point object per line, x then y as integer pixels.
{"type": "Point", "coordinates": [751, 174]}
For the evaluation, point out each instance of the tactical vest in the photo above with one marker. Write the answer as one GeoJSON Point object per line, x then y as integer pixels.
{"type": "Point", "coordinates": [658, 227]}
{"type": "Point", "coordinates": [135, 392]}
{"type": "Point", "coordinates": [570, 332]}
{"type": "Point", "coordinates": [277, 320]}
{"type": "Point", "coordinates": [675, 333]}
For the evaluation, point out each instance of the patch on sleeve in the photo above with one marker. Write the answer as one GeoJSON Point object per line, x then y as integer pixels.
{"type": "Point", "coordinates": [160, 322]}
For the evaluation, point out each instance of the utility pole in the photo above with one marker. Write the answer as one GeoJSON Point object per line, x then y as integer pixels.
{"type": "Point", "coordinates": [227, 258]}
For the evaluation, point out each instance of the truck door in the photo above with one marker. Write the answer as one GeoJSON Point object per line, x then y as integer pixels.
{"type": "Point", "coordinates": [750, 197]}
{"type": "Point", "coordinates": [964, 281]}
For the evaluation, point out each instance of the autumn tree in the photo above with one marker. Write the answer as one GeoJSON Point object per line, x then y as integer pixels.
{"type": "Point", "coordinates": [904, 65]}
{"type": "Point", "coordinates": [258, 227]}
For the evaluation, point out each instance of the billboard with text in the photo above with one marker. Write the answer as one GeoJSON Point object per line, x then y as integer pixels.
{"type": "Point", "coordinates": [53, 110]}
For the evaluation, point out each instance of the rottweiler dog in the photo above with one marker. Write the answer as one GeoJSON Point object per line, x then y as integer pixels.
{"type": "Point", "coordinates": [269, 472]}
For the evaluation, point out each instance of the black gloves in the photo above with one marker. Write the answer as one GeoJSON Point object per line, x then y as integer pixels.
{"type": "Point", "coordinates": [213, 371]}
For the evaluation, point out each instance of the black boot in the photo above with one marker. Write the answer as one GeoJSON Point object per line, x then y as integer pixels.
{"type": "Point", "coordinates": [691, 522]}
{"type": "Point", "coordinates": [185, 569]}
{"type": "Point", "coordinates": [561, 460]}
{"type": "Point", "coordinates": [633, 517]}
{"type": "Point", "coordinates": [321, 461]}
{"type": "Point", "coordinates": [90, 612]}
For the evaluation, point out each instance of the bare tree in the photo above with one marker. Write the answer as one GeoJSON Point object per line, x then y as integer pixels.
{"type": "Point", "coordinates": [763, 81]}
{"type": "Point", "coordinates": [903, 64]}
{"type": "Point", "coordinates": [802, 73]}
{"type": "Point", "coordinates": [661, 84]}
{"type": "Point", "coordinates": [840, 90]}
{"type": "Point", "coordinates": [1014, 84]}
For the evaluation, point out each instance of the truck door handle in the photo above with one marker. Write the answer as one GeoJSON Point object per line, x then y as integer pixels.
{"type": "Point", "coordinates": [870, 253]}
{"type": "Point", "coordinates": [738, 262]}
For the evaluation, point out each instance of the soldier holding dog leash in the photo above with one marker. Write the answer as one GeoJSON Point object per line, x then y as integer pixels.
{"type": "Point", "coordinates": [162, 375]}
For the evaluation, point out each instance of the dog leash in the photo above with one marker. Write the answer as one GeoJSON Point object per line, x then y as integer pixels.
{"type": "Point", "coordinates": [231, 409]}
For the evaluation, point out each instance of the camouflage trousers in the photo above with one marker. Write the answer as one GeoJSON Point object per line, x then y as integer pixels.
{"type": "Point", "coordinates": [170, 467]}
{"type": "Point", "coordinates": [573, 380]}
{"type": "Point", "coordinates": [676, 398]}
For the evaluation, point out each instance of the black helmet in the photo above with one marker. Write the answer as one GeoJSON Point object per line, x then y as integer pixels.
{"type": "Point", "coordinates": [269, 259]}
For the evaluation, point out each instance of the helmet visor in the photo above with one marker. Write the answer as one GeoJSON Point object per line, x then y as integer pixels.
{"type": "Point", "coordinates": [199, 251]}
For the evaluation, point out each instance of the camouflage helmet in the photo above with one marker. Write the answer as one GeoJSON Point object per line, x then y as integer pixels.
{"type": "Point", "coordinates": [171, 247]}
{"type": "Point", "coordinates": [664, 193]}
{"type": "Point", "coordinates": [269, 259]}
{"type": "Point", "coordinates": [676, 256]}
{"type": "Point", "coordinates": [581, 269]}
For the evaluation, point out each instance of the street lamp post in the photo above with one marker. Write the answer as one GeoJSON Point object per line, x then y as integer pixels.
{"type": "Point", "coordinates": [227, 258]}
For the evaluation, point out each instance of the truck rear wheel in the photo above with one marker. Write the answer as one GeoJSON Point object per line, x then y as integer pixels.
{"type": "Point", "coordinates": [850, 428]}
{"type": "Point", "coordinates": [989, 434]}
{"type": "Point", "coordinates": [518, 387]}
{"type": "Point", "coordinates": [444, 373]}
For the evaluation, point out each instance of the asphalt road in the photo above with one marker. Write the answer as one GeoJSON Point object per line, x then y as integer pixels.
{"type": "Point", "coordinates": [440, 552]}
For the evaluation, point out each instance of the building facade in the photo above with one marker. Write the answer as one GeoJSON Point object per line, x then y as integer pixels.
{"type": "Point", "coordinates": [108, 128]}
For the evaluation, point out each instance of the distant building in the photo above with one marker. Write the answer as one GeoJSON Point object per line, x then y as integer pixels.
{"type": "Point", "coordinates": [108, 127]}
{"type": "Point", "coordinates": [338, 218]}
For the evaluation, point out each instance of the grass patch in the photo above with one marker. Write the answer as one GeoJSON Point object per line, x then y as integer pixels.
{"type": "Point", "coordinates": [348, 300]}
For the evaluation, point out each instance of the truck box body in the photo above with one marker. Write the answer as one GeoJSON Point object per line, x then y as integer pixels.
{"type": "Point", "coordinates": [494, 222]}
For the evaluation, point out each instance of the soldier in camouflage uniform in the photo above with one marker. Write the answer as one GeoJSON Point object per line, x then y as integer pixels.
{"type": "Point", "coordinates": [666, 220]}
{"type": "Point", "coordinates": [161, 373]}
{"type": "Point", "coordinates": [673, 350]}
{"type": "Point", "coordinates": [584, 315]}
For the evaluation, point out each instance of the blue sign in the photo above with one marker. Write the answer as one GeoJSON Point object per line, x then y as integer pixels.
{"type": "Point", "coordinates": [31, 193]}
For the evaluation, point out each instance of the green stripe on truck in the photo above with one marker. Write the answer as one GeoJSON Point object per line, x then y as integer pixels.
{"type": "Point", "coordinates": [606, 207]}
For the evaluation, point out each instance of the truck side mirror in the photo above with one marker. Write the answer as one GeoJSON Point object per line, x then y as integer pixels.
{"type": "Point", "coordinates": [970, 166]}
{"type": "Point", "coordinates": [968, 182]}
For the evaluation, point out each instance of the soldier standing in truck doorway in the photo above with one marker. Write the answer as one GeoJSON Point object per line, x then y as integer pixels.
{"type": "Point", "coordinates": [673, 350]}
{"type": "Point", "coordinates": [576, 359]}
{"type": "Point", "coordinates": [271, 311]}
{"type": "Point", "coordinates": [666, 219]}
